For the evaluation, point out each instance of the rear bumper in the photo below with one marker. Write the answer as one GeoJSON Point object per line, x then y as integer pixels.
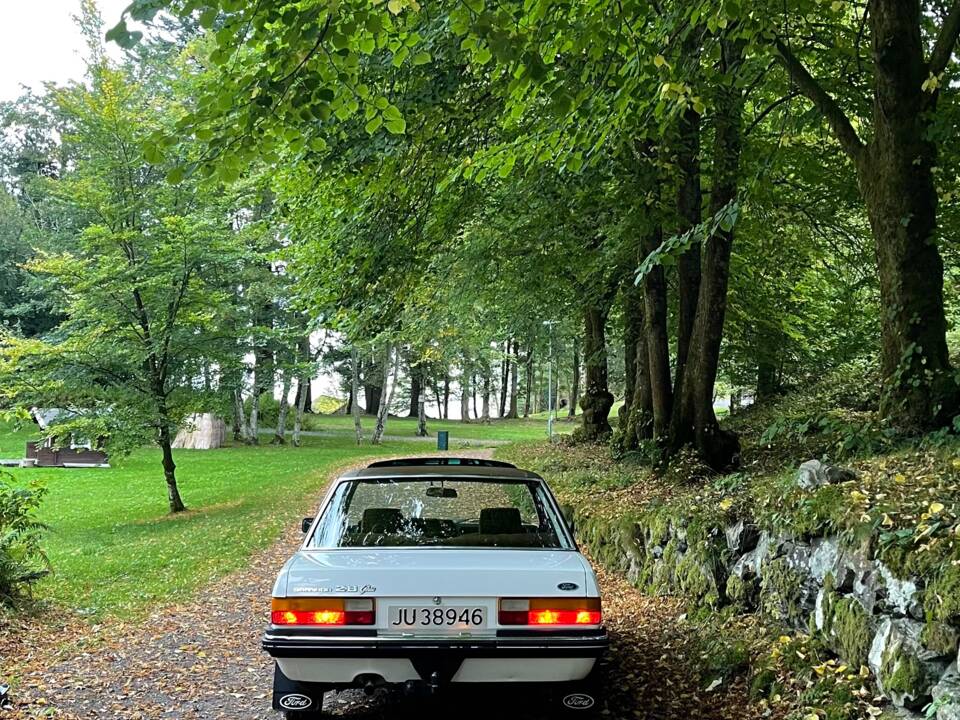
{"type": "Point", "coordinates": [340, 661]}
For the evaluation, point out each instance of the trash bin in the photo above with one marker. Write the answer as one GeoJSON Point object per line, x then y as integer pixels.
{"type": "Point", "coordinates": [443, 440]}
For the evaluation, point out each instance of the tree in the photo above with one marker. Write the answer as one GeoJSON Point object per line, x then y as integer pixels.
{"type": "Point", "coordinates": [895, 172]}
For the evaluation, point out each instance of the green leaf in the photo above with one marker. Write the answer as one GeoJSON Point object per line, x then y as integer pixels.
{"type": "Point", "coordinates": [374, 124]}
{"type": "Point", "coordinates": [207, 18]}
{"type": "Point", "coordinates": [421, 58]}
{"type": "Point", "coordinates": [176, 175]}
{"type": "Point", "coordinates": [397, 126]}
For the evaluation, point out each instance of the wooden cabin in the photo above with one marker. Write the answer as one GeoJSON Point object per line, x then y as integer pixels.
{"type": "Point", "coordinates": [73, 451]}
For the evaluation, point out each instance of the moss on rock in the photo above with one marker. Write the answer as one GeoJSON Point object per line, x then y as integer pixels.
{"type": "Point", "coordinates": [852, 629]}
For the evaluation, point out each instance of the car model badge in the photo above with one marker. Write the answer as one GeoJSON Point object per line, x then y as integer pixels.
{"type": "Point", "coordinates": [578, 701]}
{"type": "Point", "coordinates": [567, 586]}
{"type": "Point", "coordinates": [437, 600]}
{"type": "Point", "coordinates": [297, 701]}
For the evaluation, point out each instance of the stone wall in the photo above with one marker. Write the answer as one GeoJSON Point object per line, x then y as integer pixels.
{"type": "Point", "coordinates": [833, 587]}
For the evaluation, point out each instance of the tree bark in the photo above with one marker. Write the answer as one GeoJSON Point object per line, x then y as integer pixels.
{"type": "Point", "coordinates": [416, 388]}
{"type": "Point", "coordinates": [465, 395]}
{"type": "Point", "coordinates": [512, 410]}
{"type": "Point", "coordinates": [436, 392]}
{"type": "Point", "coordinates": [575, 384]}
{"type": "Point", "coordinates": [279, 435]}
{"type": "Point", "coordinates": [301, 400]}
{"type": "Point", "coordinates": [636, 415]}
{"type": "Point", "coordinates": [689, 209]}
{"type": "Point", "coordinates": [372, 394]}
{"type": "Point", "coordinates": [384, 409]}
{"type": "Point", "coordinates": [528, 399]}
{"type": "Point", "coordinates": [446, 395]}
{"type": "Point", "coordinates": [241, 430]}
{"type": "Point", "coordinates": [693, 417]}
{"type": "Point", "coordinates": [355, 388]}
{"type": "Point", "coordinates": [422, 419]}
{"type": "Point", "coordinates": [597, 399]}
{"type": "Point", "coordinates": [657, 341]}
{"type": "Point", "coordinates": [174, 500]}
{"type": "Point", "coordinates": [486, 395]}
{"type": "Point", "coordinates": [504, 379]}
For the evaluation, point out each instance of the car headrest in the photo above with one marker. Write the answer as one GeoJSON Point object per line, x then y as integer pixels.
{"type": "Point", "coordinates": [500, 521]}
{"type": "Point", "coordinates": [381, 520]}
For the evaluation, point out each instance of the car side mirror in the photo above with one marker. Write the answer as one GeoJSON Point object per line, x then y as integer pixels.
{"type": "Point", "coordinates": [570, 516]}
{"type": "Point", "coordinates": [305, 524]}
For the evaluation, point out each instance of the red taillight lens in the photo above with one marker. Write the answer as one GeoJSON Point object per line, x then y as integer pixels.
{"type": "Point", "coordinates": [550, 611]}
{"type": "Point", "coordinates": [322, 611]}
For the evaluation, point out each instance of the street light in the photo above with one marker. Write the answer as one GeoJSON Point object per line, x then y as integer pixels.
{"type": "Point", "coordinates": [550, 324]}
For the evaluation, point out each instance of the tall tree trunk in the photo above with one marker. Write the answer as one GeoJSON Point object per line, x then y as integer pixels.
{"type": "Point", "coordinates": [597, 399]}
{"type": "Point", "coordinates": [657, 341]}
{"type": "Point", "coordinates": [373, 394]}
{"type": "Point", "coordinates": [475, 386]}
{"type": "Point", "coordinates": [465, 395]}
{"type": "Point", "coordinates": [421, 419]}
{"type": "Point", "coordinates": [279, 435]}
{"type": "Point", "coordinates": [436, 392]}
{"type": "Point", "coordinates": [512, 411]}
{"type": "Point", "coordinates": [416, 388]}
{"type": "Point", "coordinates": [575, 385]}
{"type": "Point", "coordinates": [385, 399]}
{"type": "Point", "coordinates": [486, 395]}
{"type": "Point", "coordinates": [766, 380]}
{"type": "Point", "coordinates": [504, 379]}
{"type": "Point", "coordinates": [301, 404]}
{"type": "Point", "coordinates": [355, 388]}
{"type": "Point", "coordinates": [637, 411]}
{"type": "Point", "coordinates": [693, 418]}
{"type": "Point", "coordinates": [690, 212]}
{"type": "Point", "coordinates": [446, 395]}
{"type": "Point", "coordinates": [528, 395]}
{"type": "Point", "coordinates": [174, 500]}
{"type": "Point", "coordinates": [240, 428]}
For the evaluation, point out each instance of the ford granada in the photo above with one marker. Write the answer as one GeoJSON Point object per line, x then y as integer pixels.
{"type": "Point", "coordinates": [431, 574]}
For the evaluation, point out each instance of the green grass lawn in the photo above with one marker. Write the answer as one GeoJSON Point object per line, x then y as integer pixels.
{"type": "Point", "coordinates": [114, 548]}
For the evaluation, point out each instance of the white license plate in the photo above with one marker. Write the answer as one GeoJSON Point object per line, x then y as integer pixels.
{"type": "Point", "coordinates": [433, 617]}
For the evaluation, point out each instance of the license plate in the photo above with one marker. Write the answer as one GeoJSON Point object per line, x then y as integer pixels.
{"type": "Point", "coordinates": [432, 617]}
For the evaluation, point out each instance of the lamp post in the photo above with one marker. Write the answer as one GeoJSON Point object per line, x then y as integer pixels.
{"type": "Point", "coordinates": [550, 324]}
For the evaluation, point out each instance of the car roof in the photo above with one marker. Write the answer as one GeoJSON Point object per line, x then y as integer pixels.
{"type": "Point", "coordinates": [427, 467]}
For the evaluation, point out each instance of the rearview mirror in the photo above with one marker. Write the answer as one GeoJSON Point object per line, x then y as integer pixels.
{"type": "Point", "coordinates": [441, 492]}
{"type": "Point", "coordinates": [569, 514]}
{"type": "Point", "coordinates": [305, 524]}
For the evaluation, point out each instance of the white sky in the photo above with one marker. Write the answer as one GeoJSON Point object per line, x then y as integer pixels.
{"type": "Point", "coordinates": [39, 42]}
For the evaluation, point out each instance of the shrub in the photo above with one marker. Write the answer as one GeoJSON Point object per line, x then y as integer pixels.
{"type": "Point", "coordinates": [22, 561]}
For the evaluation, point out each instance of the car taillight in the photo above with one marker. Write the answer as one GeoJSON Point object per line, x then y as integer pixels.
{"type": "Point", "coordinates": [322, 611]}
{"type": "Point", "coordinates": [550, 611]}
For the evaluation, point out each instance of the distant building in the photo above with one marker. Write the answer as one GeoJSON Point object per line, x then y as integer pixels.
{"type": "Point", "coordinates": [73, 451]}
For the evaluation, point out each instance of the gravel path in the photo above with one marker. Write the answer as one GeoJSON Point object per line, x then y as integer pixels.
{"type": "Point", "coordinates": [202, 659]}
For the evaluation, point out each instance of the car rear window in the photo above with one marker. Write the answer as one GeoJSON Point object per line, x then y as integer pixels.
{"type": "Point", "coordinates": [437, 512]}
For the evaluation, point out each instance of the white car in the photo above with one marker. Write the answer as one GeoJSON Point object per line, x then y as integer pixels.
{"type": "Point", "coordinates": [431, 572]}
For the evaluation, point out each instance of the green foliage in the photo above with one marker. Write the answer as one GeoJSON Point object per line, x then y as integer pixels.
{"type": "Point", "coordinates": [22, 561]}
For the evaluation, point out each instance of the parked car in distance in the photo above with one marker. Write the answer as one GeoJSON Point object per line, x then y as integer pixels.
{"type": "Point", "coordinates": [429, 573]}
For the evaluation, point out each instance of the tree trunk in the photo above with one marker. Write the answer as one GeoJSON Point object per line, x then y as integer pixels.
{"type": "Point", "coordinates": [372, 394]}
{"type": "Point", "coordinates": [385, 399]}
{"type": "Point", "coordinates": [504, 380]}
{"type": "Point", "coordinates": [575, 385]}
{"type": "Point", "coordinates": [528, 399]}
{"type": "Point", "coordinates": [512, 411]}
{"type": "Point", "coordinates": [436, 392]}
{"type": "Point", "coordinates": [475, 387]}
{"type": "Point", "coordinates": [657, 341]}
{"type": "Point", "coordinates": [486, 395]}
{"type": "Point", "coordinates": [766, 380]}
{"type": "Point", "coordinates": [693, 417]}
{"type": "Point", "coordinates": [465, 395]}
{"type": "Point", "coordinates": [416, 388]}
{"type": "Point", "coordinates": [421, 419]}
{"type": "Point", "coordinates": [240, 429]}
{"type": "Point", "coordinates": [896, 180]}
{"type": "Point", "coordinates": [279, 435]}
{"type": "Point", "coordinates": [446, 396]}
{"type": "Point", "coordinates": [301, 400]}
{"type": "Point", "coordinates": [637, 412]}
{"type": "Point", "coordinates": [690, 213]}
{"type": "Point", "coordinates": [355, 388]}
{"type": "Point", "coordinates": [174, 500]}
{"type": "Point", "coordinates": [597, 399]}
